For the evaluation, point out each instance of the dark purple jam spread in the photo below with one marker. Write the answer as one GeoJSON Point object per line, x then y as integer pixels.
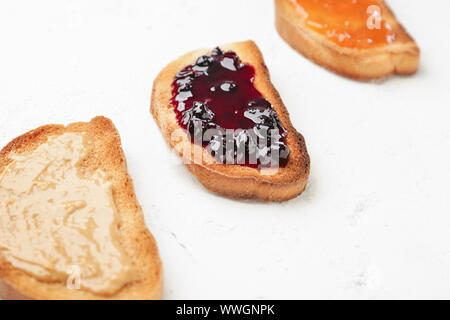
{"type": "Point", "coordinates": [217, 93]}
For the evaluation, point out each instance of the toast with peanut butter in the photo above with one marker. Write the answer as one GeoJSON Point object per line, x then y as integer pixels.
{"type": "Point", "coordinates": [219, 111]}
{"type": "Point", "coordinates": [70, 224]}
{"type": "Point", "coordinates": [358, 39]}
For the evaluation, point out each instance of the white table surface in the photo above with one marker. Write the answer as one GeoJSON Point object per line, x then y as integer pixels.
{"type": "Point", "coordinates": [374, 221]}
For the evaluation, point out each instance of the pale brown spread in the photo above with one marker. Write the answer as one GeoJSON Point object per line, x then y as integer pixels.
{"type": "Point", "coordinates": [55, 221]}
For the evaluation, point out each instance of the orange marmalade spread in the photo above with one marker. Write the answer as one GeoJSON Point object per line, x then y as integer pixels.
{"type": "Point", "coordinates": [354, 24]}
{"type": "Point", "coordinates": [59, 224]}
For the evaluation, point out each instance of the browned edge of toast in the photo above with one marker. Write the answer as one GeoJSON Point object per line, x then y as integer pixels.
{"type": "Point", "coordinates": [234, 181]}
{"type": "Point", "coordinates": [105, 152]}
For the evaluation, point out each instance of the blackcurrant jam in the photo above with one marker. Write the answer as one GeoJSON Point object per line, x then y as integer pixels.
{"type": "Point", "coordinates": [216, 93]}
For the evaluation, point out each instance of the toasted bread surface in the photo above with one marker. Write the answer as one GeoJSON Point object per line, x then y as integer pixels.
{"type": "Point", "coordinates": [234, 181]}
{"type": "Point", "coordinates": [400, 57]}
{"type": "Point", "coordinates": [104, 153]}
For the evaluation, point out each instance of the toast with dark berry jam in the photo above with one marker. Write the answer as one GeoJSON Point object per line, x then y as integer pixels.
{"type": "Point", "coordinates": [219, 111]}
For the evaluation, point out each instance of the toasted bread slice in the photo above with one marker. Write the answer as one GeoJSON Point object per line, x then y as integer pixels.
{"type": "Point", "coordinates": [70, 224]}
{"type": "Point", "coordinates": [241, 182]}
{"type": "Point", "coordinates": [399, 57]}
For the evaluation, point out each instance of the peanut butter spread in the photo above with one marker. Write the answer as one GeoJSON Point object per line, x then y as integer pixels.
{"type": "Point", "coordinates": [59, 224]}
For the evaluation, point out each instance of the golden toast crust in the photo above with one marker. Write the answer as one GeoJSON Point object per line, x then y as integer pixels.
{"type": "Point", "coordinates": [400, 57]}
{"type": "Point", "coordinates": [105, 153]}
{"type": "Point", "coordinates": [233, 180]}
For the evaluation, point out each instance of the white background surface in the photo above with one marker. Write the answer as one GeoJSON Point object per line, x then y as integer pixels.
{"type": "Point", "coordinates": [374, 221]}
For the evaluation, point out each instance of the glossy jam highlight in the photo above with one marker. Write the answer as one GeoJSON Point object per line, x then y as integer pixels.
{"type": "Point", "coordinates": [349, 23]}
{"type": "Point", "coordinates": [60, 224]}
{"type": "Point", "coordinates": [216, 93]}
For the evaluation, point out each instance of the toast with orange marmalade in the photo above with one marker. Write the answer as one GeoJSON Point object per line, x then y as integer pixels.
{"type": "Point", "coordinates": [360, 39]}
